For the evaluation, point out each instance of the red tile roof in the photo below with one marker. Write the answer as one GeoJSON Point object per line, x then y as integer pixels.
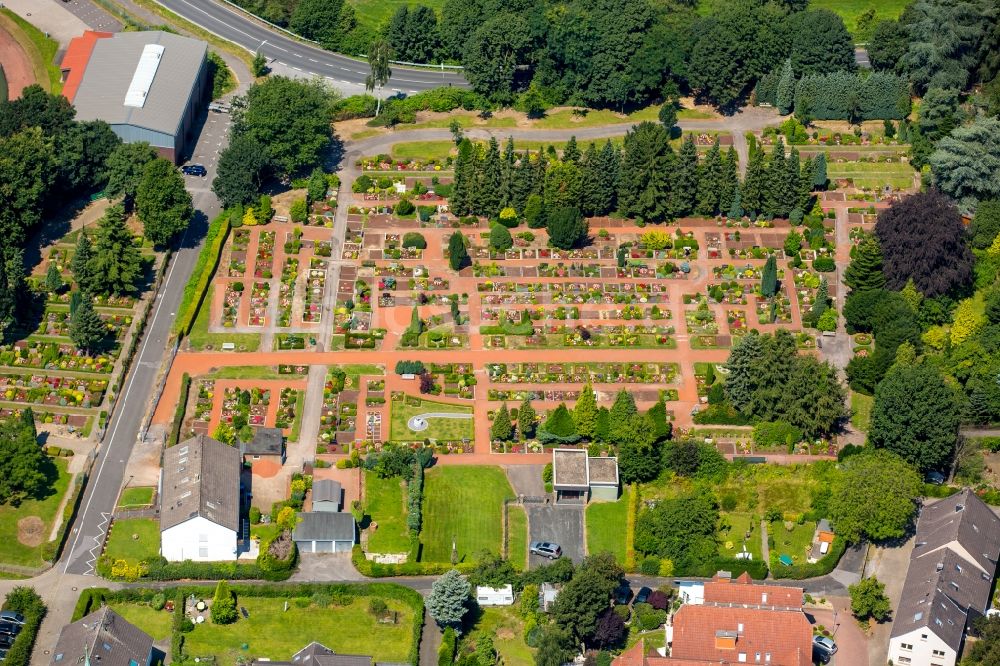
{"type": "Point", "coordinates": [76, 58]}
{"type": "Point", "coordinates": [745, 592]}
{"type": "Point", "coordinates": [785, 635]}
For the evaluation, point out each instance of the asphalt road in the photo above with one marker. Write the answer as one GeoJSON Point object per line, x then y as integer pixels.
{"type": "Point", "coordinates": [556, 524]}
{"type": "Point", "coordinates": [108, 473]}
{"type": "Point", "coordinates": [231, 24]}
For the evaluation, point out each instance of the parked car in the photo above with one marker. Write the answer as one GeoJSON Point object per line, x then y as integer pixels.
{"type": "Point", "coordinates": [821, 656]}
{"type": "Point", "coordinates": [6, 641]}
{"type": "Point", "coordinates": [643, 595]}
{"type": "Point", "coordinates": [9, 628]}
{"type": "Point", "coordinates": [623, 593]}
{"type": "Point", "coordinates": [218, 108]}
{"type": "Point", "coordinates": [936, 478]}
{"type": "Point", "coordinates": [194, 170]}
{"type": "Point", "coordinates": [11, 616]}
{"type": "Point", "coordinates": [3, 655]}
{"type": "Point", "coordinates": [825, 644]}
{"type": "Point", "coordinates": [545, 549]}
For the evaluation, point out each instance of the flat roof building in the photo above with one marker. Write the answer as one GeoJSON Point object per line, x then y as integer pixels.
{"type": "Point", "coordinates": [149, 86]}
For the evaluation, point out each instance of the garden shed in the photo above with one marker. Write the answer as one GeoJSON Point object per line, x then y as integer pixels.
{"type": "Point", "coordinates": [326, 494]}
{"type": "Point", "coordinates": [267, 444]}
{"type": "Point", "coordinates": [324, 532]}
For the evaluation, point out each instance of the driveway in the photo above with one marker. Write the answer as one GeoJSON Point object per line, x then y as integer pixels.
{"type": "Point", "coordinates": [852, 645]}
{"type": "Point", "coordinates": [325, 567]}
{"type": "Point", "coordinates": [557, 524]}
{"type": "Point", "coordinates": [526, 480]}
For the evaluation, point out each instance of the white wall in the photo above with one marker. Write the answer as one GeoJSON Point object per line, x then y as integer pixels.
{"type": "Point", "coordinates": [192, 538]}
{"type": "Point", "coordinates": [922, 653]}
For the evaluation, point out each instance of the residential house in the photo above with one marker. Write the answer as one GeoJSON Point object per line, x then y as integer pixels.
{"type": "Point", "coordinates": [325, 532]}
{"type": "Point", "coordinates": [949, 580]}
{"type": "Point", "coordinates": [326, 495]}
{"type": "Point", "coordinates": [317, 654]}
{"type": "Point", "coordinates": [104, 637]}
{"type": "Point", "coordinates": [578, 478]}
{"type": "Point", "coordinates": [739, 621]}
{"type": "Point", "coordinates": [200, 508]}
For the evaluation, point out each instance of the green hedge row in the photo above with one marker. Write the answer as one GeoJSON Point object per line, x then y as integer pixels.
{"type": "Point", "coordinates": [25, 601]}
{"type": "Point", "coordinates": [757, 570]}
{"type": "Point", "coordinates": [375, 570]}
{"type": "Point", "coordinates": [812, 570]}
{"type": "Point", "coordinates": [175, 427]}
{"type": "Point", "coordinates": [160, 569]}
{"type": "Point", "coordinates": [197, 286]}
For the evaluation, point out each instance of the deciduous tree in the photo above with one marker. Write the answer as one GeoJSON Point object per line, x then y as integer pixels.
{"type": "Point", "coordinates": [875, 497]}
{"type": "Point", "coordinates": [162, 202]}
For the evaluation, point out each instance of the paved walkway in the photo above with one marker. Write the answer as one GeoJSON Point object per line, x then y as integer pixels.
{"type": "Point", "coordinates": [49, 16]}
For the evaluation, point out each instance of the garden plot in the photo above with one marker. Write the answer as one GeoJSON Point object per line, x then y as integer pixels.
{"type": "Point", "coordinates": [873, 175]}
{"type": "Point", "coordinates": [463, 505]}
{"type": "Point", "coordinates": [416, 419]}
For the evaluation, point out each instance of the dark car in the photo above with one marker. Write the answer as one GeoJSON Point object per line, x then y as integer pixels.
{"type": "Point", "coordinates": [821, 656]}
{"type": "Point", "coordinates": [195, 170]}
{"type": "Point", "coordinates": [936, 478]}
{"type": "Point", "coordinates": [3, 655]}
{"type": "Point", "coordinates": [9, 628]}
{"type": "Point", "coordinates": [623, 593]}
{"type": "Point", "coordinates": [546, 549]}
{"type": "Point", "coordinates": [6, 641]}
{"type": "Point", "coordinates": [643, 595]}
{"type": "Point", "coordinates": [11, 616]}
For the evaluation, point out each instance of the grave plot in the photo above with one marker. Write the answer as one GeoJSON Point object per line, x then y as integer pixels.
{"type": "Point", "coordinates": [260, 292]}
{"type": "Point", "coordinates": [200, 407]}
{"type": "Point", "coordinates": [339, 413]}
{"type": "Point", "coordinates": [264, 261]}
{"type": "Point", "coordinates": [52, 390]}
{"type": "Point", "coordinates": [414, 419]}
{"type": "Point", "coordinates": [312, 303]}
{"type": "Point", "coordinates": [286, 293]}
{"type": "Point", "coordinates": [456, 380]}
{"type": "Point", "coordinates": [238, 244]}
{"type": "Point", "coordinates": [701, 319]}
{"type": "Point", "coordinates": [231, 302]}
{"type": "Point", "coordinates": [579, 373]}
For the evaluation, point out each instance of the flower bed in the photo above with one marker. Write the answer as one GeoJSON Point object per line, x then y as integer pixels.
{"type": "Point", "coordinates": [53, 356]}
{"type": "Point", "coordinates": [264, 262]}
{"type": "Point", "coordinates": [579, 373]}
{"type": "Point", "coordinates": [289, 274]}
{"type": "Point", "coordinates": [258, 303]}
{"type": "Point", "coordinates": [53, 390]}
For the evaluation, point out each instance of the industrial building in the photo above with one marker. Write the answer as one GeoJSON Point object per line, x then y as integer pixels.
{"type": "Point", "coordinates": [149, 86]}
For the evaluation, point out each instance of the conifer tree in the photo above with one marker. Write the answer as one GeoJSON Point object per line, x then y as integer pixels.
{"type": "Point", "coordinates": [53, 278]}
{"type": "Point", "coordinates": [86, 329]}
{"type": "Point", "coordinates": [805, 184]}
{"type": "Point", "coordinates": [864, 273]}
{"type": "Point", "coordinates": [416, 326]}
{"type": "Point", "coordinates": [524, 176]}
{"type": "Point", "coordinates": [489, 191]}
{"type": "Point", "coordinates": [790, 192]}
{"type": "Point", "coordinates": [819, 179]}
{"type": "Point", "coordinates": [609, 163]}
{"type": "Point", "coordinates": [777, 175]}
{"type": "Point", "coordinates": [571, 153]}
{"type": "Point", "coordinates": [585, 412]}
{"type": "Point", "coordinates": [116, 262]}
{"type": "Point", "coordinates": [508, 175]}
{"type": "Point", "coordinates": [685, 179]}
{"type": "Point", "coordinates": [590, 182]}
{"type": "Point", "coordinates": [769, 277]}
{"type": "Point", "coordinates": [526, 420]}
{"type": "Point", "coordinates": [603, 430]}
{"type": "Point", "coordinates": [736, 208]}
{"type": "Point", "coordinates": [752, 191]}
{"type": "Point", "coordinates": [461, 199]}
{"type": "Point", "coordinates": [710, 181]}
{"type": "Point", "coordinates": [729, 183]}
{"type": "Point", "coordinates": [502, 429]}
{"type": "Point", "coordinates": [657, 416]}
{"type": "Point", "coordinates": [458, 255]}
{"type": "Point", "coordinates": [822, 302]}
{"type": "Point", "coordinates": [621, 412]}
{"type": "Point", "coordinates": [785, 96]}
{"type": "Point", "coordinates": [80, 265]}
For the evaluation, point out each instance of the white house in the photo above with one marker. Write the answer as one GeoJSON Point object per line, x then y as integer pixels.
{"type": "Point", "coordinates": [200, 501]}
{"type": "Point", "coordinates": [948, 581]}
{"type": "Point", "coordinates": [495, 596]}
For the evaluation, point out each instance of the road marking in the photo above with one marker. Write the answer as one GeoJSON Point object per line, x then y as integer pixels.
{"type": "Point", "coordinates": [219, 21]}
{"type": "Point", "coordinates": [313, 60]}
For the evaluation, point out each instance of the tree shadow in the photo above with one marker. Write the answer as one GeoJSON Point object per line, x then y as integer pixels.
{"type": "Point", "coordinates": [197, 228]}
{"type": "Point", "coordinates": [51, 230]}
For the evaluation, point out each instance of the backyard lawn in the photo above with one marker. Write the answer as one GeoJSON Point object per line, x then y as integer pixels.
{"type": "Point", "coordinates": [25, 528]}
{"type": "Point", "coordinates": [385, 503]}
{"type": "Point", "coordinates": [731, 538]}
{"type": "Point", "coordinates": [276, 634]}
{"type": "Point", "coordinates": [606, 527]}
{"type": "Point", "coordinates": [121, 545]}
{"type": "Point", "coordinates": [441, 429]}
{"type": "Point", "coordinates": [136, 498]}
{"type": "Point", "coordinates": [423, 150]}
{"type": "Point", "coordinates": [464, 504]}
{"type": "Point", "coordinates": [873, 174]}
{"type": "Point", "coordinates": [794, 543]}
{"type": "Point", "coordinates": [517, 543]}
{"type": "Point", "coordinates": [506, 629]}
{"type": "Point", "coordinates": [156, 623]}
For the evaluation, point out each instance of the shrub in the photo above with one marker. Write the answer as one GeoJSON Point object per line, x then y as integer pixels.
{"type": "Point", "coordinates": [405, 207]}
{"type": "Point", "coordinates": [446, 651]}
{"type": "Point", "coordinates": [414, 239]}
{"type": "Point", "coordinates": [254, 515]}
{"type": "Point", "coordinates": [647, 617]}
{"type": "Point", "coordinates": [824, 264]}
{"type": "Point", "coordinates": [776, 433]}
{"type": "Point", "coordinates": [158, 602]}
{"type": "Point", "coordinates": [650, 566]}
{"type": "Point", "coordinates": [25, 601]}
{"type": "Point", "coordinates": [204, 268]}
{"type": "Point", "coordinates": [223, 604]}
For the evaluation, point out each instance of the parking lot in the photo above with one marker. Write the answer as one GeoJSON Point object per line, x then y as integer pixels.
{"type": "Point", "coordinates": [556, 524]}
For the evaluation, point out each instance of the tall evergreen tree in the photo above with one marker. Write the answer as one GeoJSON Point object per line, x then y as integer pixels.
{"type": "Point", "coordinates": [790, 192]}
{"type": "Point", "coordinates": [729, 180]}
{"type": "Point", "coordinates": [644, 183]}
{"type": "Point", "coordinates": [491, 181]}
{"type": "Point", "coordinates": [116, 263]}
{"type": "Point", "coordinates": [864, 273]}
{"type": "Point", "coordinates": [526, 419]}
{"type": "Point", "coordinates": [805, 184]}
{"type": "Point", "coordinates": [502, 429]}
{"type": "Point", "coordinates": [685, 179]}
{"type": "Point", "coordinates": [743, 366]}
{"type": "Point", "coordinates": [585, 412]}
{"type": "Point", "coordinates": [53, 278]}
{"type": "Point", "coordinates": [80, 265]}
{"type": "Point", "coordinates": [610, 167]}
{"type": "Point", "coordinates": [508, 175]}
{"type": "Point", "coordinates": [821, 304]}
{"type": "Point", "coordinates": [524, 178]}
{"type": "Point", "coordinates": [769, 277]}
{"type": "Point", "coordinates": [571, 153]}
{"type": "Point", "coordinates": [819, 179]}
{"type": "Point", "coordinates": [464, 191]}
{"type": "Point", "coordinates": [777, 175]}
{"type": "Point", "coordinates": [752, 192]}
{"type": "Point", "coordinates": [458, 255]}
{"type": "Point", "coordinates": [710, 181]}
{"type": "Point", "coordinates": [620, 415]}
{"type": "Point", "coordinates": [86, 329]}
{"type": "Point", "coordinates": [785, 96]}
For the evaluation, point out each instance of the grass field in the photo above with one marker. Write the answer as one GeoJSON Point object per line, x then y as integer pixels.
{"type": "Point", "coordinates": [506, 629]}
{"type": "Point", "coordinates": [739, 525]}
{"type": "Point", "coordinates": [873, 174]}
{"type": "Point", "coordinates": [849, 10]}
{"type": "Point", "coordinates": [423, 150]}
{"type": "Point", "coordinates": [464, 504]}
{"type": "Point", "coordinates": [276, 634]}
{"type": "Point", "coordinates": [156, 623]}
{"type": "Point", "coordinates": [861, 411]}
{"type": "Point", "coordinates": [41, 50]}
{"type": "Point", "coordinates": [12, 550]}
{"type": "Point", "coordinates": [199, 337]}
{"type": "Point", "coordinates": [136, 498]}
{"type": "Point", "coordinates": [444, 429]}
{"type": "Point", "coordinates": [375, 13]}
{"type": "Point", "coordinates": [121, 545]}
{"type": "Point", "coordinates": [386, 504]}
{"type": "Point", "coordinates": [606, 527]}
{"type": "Point", "coordinates": [517, 542]}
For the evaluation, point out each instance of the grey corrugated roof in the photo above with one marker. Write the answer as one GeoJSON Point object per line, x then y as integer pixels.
{"type": "Point", "coordinates": [317, 654]}
{"type": "Point", "coordinates": [103, 637]}
{"type": "Point", "coordinates": [326, 490]}
{"type": "Point", "coordinates": [201, 477]}
{"type": "Point", "coordinates": [101, 95]}
{"type": "Point", "coordinates": [951, 567]}
{"type": "Point", "coordinates": [324, 526]}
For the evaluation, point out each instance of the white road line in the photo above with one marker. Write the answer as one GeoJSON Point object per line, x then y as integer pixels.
{"type": "Point", "coordinates": [217, 20]}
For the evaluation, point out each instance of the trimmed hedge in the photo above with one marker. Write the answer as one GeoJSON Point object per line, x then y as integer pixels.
{"type": "Point", "coordinates": [630, 518]}
{"type": "Point", "coordinates": [160, 569]}
{"type": "Point", "coordinates": [446, 651]}
{"type": "Point", "coordinates": [25, 601]}
{"type": "Point", "coordinates": [812, 570]}
{"type": "Point", "coordinates": [175, 427]}
{"type": "Point", "coordinates": [375, 570]}
{"type": "Point", "coordinates": [204, 268]}
{"type": "Point", "coordinates": [757, 570]}
{"type": "Point", "coordinates": [51, 550]}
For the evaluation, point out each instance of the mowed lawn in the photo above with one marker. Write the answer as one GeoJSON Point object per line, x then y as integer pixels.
{"type": "Point", "coordinates": [732, 541]}
{"type": "Point", "coordinates": [375, 13]}
{"type": "Point", "coordinates": [517, 536]}
{"type": "Point", "coordinates": [385, 503]}
{"type": "Point", "coordinates": [44, 507]}
{"type": "Point", "coordinates": [464, 504]}
{"type": "Point", "coordinates": [441, 429]}
{"type": "Point", "coordinates": [156, 623]}
{"type": "Point", "coordinates": [850, 10]}
{"type": "Point", "coordinates": [861, 410]}
{"type": "Point", "coordinates": [873, 174]}
{"type": "Point", "coordinates": [606, 527]}
{"type": "Point", "coordinates": [121, 545]}
{"type": "Point", "coordinates": [133, 498]}
{"type": "Point", "coordinates": [276, 634]}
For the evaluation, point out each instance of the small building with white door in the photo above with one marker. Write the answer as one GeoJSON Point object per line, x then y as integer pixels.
{"type": "Point", "coordinates": [325, 532]}
{"type": "Point", "coordinates": [200, 508]}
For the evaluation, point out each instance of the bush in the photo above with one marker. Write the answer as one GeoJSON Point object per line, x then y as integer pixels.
{"type": "Point", "coordinates": [650, 566]}
{"type": "Point", "coordinates": [204, 268]}
{"type": "Point", "coordinates": [404, 207]}
{"type": "Point", "coordinates": [414, 239]}
{"type": "Point", "coordinates": [158, 602]}
{"type": "Point", "coordinates": [776, 433]}
{"type": "Point", "coordinates": [547, 473]}
{"type": "Point", "coordinates": [446, 651]}
{"type": "Point", "coordinates": [410, 368]}
{"type": "Point", "coordinates": [647, 617]}
{"type": "Point", "coordinates": [824, 264]}
{"type": "Point", "coordinates": [25, 601]}
{"type": "Point", "coordinates": [254, 515]}
{"type": "Point", "coordinates": [278, 556]}
{"type": "Point", "coordinates": [223, 609]}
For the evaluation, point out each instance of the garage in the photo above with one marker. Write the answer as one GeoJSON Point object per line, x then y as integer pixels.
{"type": "Point", "coordinates": [325, 532]}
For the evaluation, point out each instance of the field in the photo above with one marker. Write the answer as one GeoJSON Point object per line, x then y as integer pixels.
{"type": "Point", "coordinates": [517, 542]}
{"type": "Point", "coordinates": [19, 546]}
{"type": "Point", "coordinates": [132, 498]}
{"type": "Point", "coordinates": [849, 10]}
{"type": "Point", "coordinates": [464, 505]}
{"type": "Point", "coordinates": [605, 521]}
{"type": "Point", "coordinates": [861, 411]}
{"type": "Point", "coordinates": [794, 543]}
{"type": "Point", "coordinates": [873, 174]}
{"type": "Point", "coordinates": [374, 13]}
{"type": "Point", "coordinates": [386, 505]}
{"type": "Point", "coordinates": [274, 633]}
{"type": "Point", "coordinates": [506, 629]}
{"type": "Point", "coordinates": [442, 429]}
{"type": "Point", "coordinates": [121, 545]}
